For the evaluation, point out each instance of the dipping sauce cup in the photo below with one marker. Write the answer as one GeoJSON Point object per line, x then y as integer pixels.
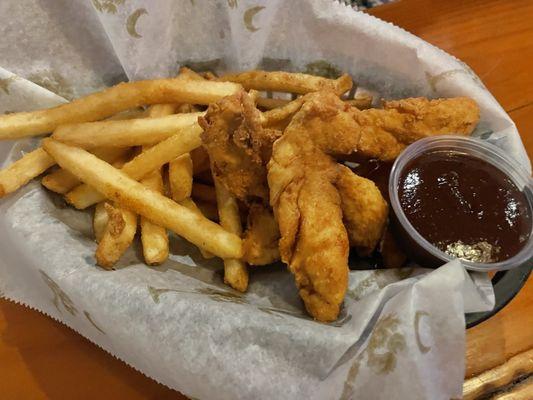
{"type": "Point", "coordinates": [461, 197]}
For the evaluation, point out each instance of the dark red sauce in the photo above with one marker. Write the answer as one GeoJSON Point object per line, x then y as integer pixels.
{"type": "Point", "coordinates": [465, 206]}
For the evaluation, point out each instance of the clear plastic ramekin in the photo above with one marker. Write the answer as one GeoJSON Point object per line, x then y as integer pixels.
{"type": "Point", "coordinates": [416, 246]}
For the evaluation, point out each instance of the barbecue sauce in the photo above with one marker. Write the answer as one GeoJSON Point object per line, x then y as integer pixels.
{"type": "Point", "coordinates": [465, 206]}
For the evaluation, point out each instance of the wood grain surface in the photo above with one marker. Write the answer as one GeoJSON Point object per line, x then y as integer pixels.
{"type": "Point", "coordinates": [42, 359]}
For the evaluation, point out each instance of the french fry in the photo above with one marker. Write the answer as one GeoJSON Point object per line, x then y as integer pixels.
{"type": "Point", "coordinates": [84, 196]}
{"type": "Point", "coordinates": [154, 238]}
{"type": "Point", "coordinates": [187, 73]}
{"type": "Point", "coordinates": [129, 194]}
{"type": "Point", "coordinates": [138, 112]}
{"type": "Point", "coordinates": [187, 109]}
{"type": "Point", "coordinates": [161, 110]}
{"type": "Point", "coordinates": [180, 177]}
{"type": "Point", "coordinates": [204, 193]}
{"type": "Point", "coordinates": [24, 170]}
{"type": "Point", "coordinates": [276, 115]}
{"type": "Point", "coordinates": [279, 81]}
{"type": "Point", "coordinates": [62, 181]}
{"type": "Point", "coordinates": [209, 76]}
{"type": "Point", "coordinates": [100, 220]}
{"type": "Point", "coordinates": [118, 235]}
{"type": "Point", "coordinates": [133, 132]}
{"type": "Point", "coordinates": [269, 104]}
{"type": "Point", "coordinates": [361, 101]}
{"type": "Point", "coordinates": [191, 205]}
{"type": "Point", "coordinates": [235, 271]}
{"type": "Point", "coordinates": [108, 102]}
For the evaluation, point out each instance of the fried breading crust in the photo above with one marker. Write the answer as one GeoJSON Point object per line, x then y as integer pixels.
{"type": "Point", "coordinates": [238, 146]}
{"type": "Point", "coordinates": [364, 210]}
{"type": "Point", "coordinates": [260, 241]}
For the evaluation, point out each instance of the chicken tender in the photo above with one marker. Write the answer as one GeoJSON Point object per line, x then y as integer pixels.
{"type": "Point", "coordinates": [238, 146]}
{"type": "Point", "coordinates": [364, 210]}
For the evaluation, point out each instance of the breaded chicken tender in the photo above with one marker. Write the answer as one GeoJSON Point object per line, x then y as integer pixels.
{"type": "Point", "coordinates": [238, 146]}
{"type": "Point", "coordinates": [307, 186]}
{"type": "Point", "coordinates": [364, 210]}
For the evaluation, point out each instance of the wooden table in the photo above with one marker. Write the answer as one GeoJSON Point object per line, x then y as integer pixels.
{"type": "Point", "coordinates": [41, 359]}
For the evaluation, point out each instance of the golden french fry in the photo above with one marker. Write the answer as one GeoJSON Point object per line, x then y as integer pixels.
{"type": "Point", "coordinates": [111, 101]}
{"type": "Point", "coordinates": [138, 112]}
{"type": "Point", "coordinates": [187, 73]}
{"type": "Point", "coordinates": [276, 115]}
{"type": "Point", "coordinates": [203, 193]}
{"type": "Point", "coordinates": [133, 132]}
{"type": "Point", "coordinates": [84, 196]}
{"type": "Point", "coordinates": [161, 110]}
{"type": "Point", "coordinates": [118, 235]}
{"type": "Point", "coordinates": [191, 205]}
{"type": "Point", "coordinates": [187, 109]}
{"type": "Point", "coordinates": [180, 177]}
{"type": "Point", "coordinates": [361, 101]}
{"type": "Point", "coordinates": [62, 181]}
{"type": "Point", "coordinates": [100, 220]}
{"type": "Point", "coordinates": [279, 81]}
{"type": "Point", "coordinates": [132, 195]}
{"type": "Point", "coordinates": [24, 170]}
{"type": "Point", "coordinates": [235, 271]}
{"type": "Point", "coordinates": [269, 104]}
{"type": "Point", "coordinates": [209, 76]}
{"type": "Point", "coordinates": [154, 238]}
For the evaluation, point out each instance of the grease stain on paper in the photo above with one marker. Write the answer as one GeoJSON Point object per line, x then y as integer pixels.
{"type": "Point", "coordinates": [59, 295]}
{"type": "Point", "coordinates": [381, 352]}
{"type": "Point", "coordinates": [54, 82]}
